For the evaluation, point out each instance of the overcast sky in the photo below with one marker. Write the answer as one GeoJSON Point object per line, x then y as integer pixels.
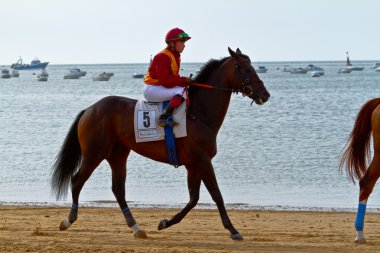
{"type": "Point", "coordinates": [124, 31]}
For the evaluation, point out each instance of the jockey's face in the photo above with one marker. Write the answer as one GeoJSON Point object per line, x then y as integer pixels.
{"type": "Point", "coordinates": [179, 46]}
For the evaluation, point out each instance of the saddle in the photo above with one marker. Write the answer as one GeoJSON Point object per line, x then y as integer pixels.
{"type": "Point", "coordinates": [146, 121]}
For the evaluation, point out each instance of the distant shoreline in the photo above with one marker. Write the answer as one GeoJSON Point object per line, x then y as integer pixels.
{"type": "Point", "coordinates": [253, 61]}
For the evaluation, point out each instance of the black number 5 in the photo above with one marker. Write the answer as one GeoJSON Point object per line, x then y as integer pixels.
{"type": "Point", "coordinates": [146, 119]}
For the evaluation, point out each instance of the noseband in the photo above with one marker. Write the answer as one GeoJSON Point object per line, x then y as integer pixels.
{"type": "Point", "coordinates": [245, 90]}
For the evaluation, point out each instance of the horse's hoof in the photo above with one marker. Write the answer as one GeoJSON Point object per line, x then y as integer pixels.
{"type": "Point", "coordinates": [65, 224]}
{"type": "Point", "coordinates": [162, 224]}
{"type": "Point", "coordinates": [360, 241]}
{"type": "Point", "coordinates": [237, 237]}
{"type": "Point", "coordinates": [140, 234]}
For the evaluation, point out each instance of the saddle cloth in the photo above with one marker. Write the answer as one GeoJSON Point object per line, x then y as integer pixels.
{"type": "Point", "coordinates": [146, 121]}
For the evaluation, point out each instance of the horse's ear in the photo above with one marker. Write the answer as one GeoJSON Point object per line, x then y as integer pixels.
{"type": "Point", "coordinates": [232, 53]}
{"type": "Point", "coordinates": [238, 51]}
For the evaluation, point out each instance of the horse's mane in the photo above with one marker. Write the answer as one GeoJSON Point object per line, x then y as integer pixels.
{"type": "Point", "coordinates": [207, 69]}
{"type": "Point", "coordinates": [210, 67]}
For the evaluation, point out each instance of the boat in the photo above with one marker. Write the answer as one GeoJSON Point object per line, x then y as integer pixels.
{"type": "Point", "coordinates": [5, 74]}
{"type": "Point", "coordinates": [376, 65]}
{"type": "Point", "coordinates": [349, 65]}
{"type": "Point", "coordinates": [298, 71]}
{"type": "Point", "coordinates": [317, 73]}
{"type": "Point", "coordinates": [102, 77]}
{"type": "Point", "coordinates": [43, 76]}
{"type": "Point", "coordinates": [136, 75]}
{"type": "Point", "coordinates": [35, 64]}
{"type": "Point", "coordinates": [377, 69]}
{"type": "Point", "coordinates": [345, 70]}
{"type": "Point", "coordinates": [261, 69]}
{"type": "Point", "coordinates": [286, 68]}
{"type": "Point", "coordinates": [74, 73]}
{"type": "Point", "coordinates": [15, 73]}
{"type": "Point", "coordinates": [78, 71]}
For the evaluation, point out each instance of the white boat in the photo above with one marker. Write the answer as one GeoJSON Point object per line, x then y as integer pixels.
{"type": "Point", "coordinates": [43, 76]}
{"type": "Point", "coordinates": [317, 73]}
{"type": "Point", "coordinates": [298, 71]}
{"type": "Point", "coordinates": [76, 70]}
{"type": "Point", "coordinates": [102, 77]}
{"type": "Point", "coordinates": [376, 65]}
{"type": "Point", "coordinates": [344, 70]}
{"type": "Point", "coordinates": [349, 65]}
{"type": "Point", "coordinates": [286, 68]}
{"type": "Point", "coordinates": [261, 69]}
{"type": "Point", "coordinates": [5, 74]}
{"type": "Point", "coordinates": [377, 69]}
{"type": "Point", "coordinates": [74, 73]}
{"type": "Point", "coordinates": [15, 73]}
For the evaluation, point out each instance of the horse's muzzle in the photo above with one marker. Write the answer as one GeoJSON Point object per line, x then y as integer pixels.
{"type": "Point", "coordinates": [261, 98]}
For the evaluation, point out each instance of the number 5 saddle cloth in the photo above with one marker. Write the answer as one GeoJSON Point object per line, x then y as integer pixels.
{"type": "Point", "coordinates": [146, 121]}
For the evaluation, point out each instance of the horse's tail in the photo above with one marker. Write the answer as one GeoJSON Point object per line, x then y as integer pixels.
{"type": "Point", "coordinates": [356, 154]}
{"type": "Point", "coordinates": [67, 161]}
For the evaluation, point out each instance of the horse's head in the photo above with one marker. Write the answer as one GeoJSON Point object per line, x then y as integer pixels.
{"type": "Point", "coordinates": [245, 79]}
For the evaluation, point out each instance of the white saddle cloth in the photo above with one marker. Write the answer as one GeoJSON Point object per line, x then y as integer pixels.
{"type": "Point", "coordinates": [146, 121]}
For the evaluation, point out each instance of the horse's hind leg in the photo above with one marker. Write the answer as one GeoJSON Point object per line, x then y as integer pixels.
{"type": "Point", "coordinates": [118, 163]}
{"type": "Point", "coordinates": [193, 183]}
{"type": "Point", "coordinates": [77, 182]}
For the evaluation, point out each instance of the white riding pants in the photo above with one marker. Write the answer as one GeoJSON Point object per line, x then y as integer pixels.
{"type": "Point", "coordinates": [155, 93]}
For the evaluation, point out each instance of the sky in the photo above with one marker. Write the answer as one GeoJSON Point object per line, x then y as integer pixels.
{"type": "Point", "coordinates": [126, 31]}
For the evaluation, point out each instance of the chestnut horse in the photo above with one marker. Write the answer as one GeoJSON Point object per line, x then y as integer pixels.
{"type": "Point", "coordinates": [105, 130]}
{"type": "Point", "coordinates": [356, 155]}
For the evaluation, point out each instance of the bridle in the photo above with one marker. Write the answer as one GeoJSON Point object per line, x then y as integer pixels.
{"type": "Point", "coordinates": [245, 89]}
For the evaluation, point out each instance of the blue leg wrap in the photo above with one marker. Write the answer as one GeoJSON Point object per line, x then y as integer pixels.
{"type": "Point", "coordinates": [128, 217]}
{"type": "Point", "coordinates": [359, 223]}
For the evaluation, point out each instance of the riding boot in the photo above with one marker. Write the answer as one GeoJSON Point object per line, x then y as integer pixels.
{"type": "Point", "coordinates": [166, 117]}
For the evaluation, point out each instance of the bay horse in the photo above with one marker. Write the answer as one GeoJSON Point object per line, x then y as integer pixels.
{"type": "Point", "coordinates": [105, 130]}
{"type": "Point", "coordinates": [356, 156]}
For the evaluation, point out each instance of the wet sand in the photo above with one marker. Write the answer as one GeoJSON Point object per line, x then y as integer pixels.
{"type": "Point", "coordinates": [35, 229]}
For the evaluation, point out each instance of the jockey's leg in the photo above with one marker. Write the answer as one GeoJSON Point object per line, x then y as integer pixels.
{"type": "Point", "coordinates": [175, 102]}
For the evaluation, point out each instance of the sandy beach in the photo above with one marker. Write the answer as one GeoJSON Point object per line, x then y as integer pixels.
{"type": "Point", "coordinates": [35, 229]}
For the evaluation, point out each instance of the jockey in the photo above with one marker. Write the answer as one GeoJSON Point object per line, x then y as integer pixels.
{"type": "Point", "coordinates": [163, 81]}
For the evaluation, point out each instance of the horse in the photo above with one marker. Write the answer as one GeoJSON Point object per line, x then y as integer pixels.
{"type": "Point", "coordinates": [356, 155]}
{"type": "Point", "coordinates": [105, 131]}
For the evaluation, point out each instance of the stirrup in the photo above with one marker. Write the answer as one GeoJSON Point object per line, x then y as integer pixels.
{"type": "Point", "coordinates": [169, 121]}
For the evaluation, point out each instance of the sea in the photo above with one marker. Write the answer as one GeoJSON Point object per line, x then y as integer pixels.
{"type": "Point", "coordinates": [282, 155]}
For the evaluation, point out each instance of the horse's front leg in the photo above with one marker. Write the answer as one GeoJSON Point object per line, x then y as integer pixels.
{"type": "Point", "coordinates": [208, 177]}
{"type": "Point", "coordinates": [193, 182]}
{"type": "Point", "coordinates": [367, 183]}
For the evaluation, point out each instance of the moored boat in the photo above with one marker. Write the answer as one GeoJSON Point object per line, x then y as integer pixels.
{"type": "Point", "coordinates": [102, 77]}
{"type": "Point", "coordinates": [15, 73]}
{"type": "Point", "coordinates": [344, 70]}
{"type": "Point", "coordinates": [43, 76]}
{"type": "Point", "coordinates": [5, 74]}
{"type": "Point", "coordinates": [35, 64]}
{"type": "Point", "coordinates": [261, 69]}
{"type": "Point", "coordinates": [136, 75]}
